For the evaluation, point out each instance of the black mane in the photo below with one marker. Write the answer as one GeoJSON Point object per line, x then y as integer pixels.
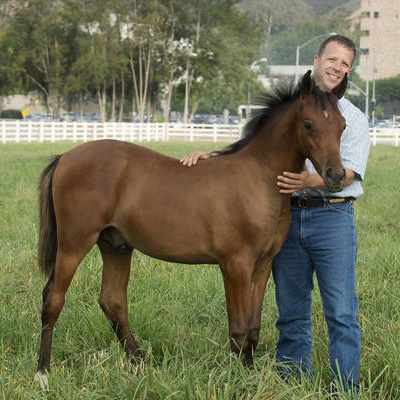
{"type": "Point", "coordinates": [270, 105]}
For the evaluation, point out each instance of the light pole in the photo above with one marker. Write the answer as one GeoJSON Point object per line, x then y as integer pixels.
{"type": "Point", "coordinates": [366, 82]}
{"type": "Point", "coordinates": [253, 68]}
{"type": "Point", "coordinates": [373, 100]}
{"type": "Point", "coordinates": [303, 45]}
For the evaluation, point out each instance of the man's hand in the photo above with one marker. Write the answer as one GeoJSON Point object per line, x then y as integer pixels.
{"type": "Point", "coordinates": [192, 158]}
{"type": "Point", "coordinates": [290, 182]}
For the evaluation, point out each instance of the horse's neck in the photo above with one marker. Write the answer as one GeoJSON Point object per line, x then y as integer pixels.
{"type": "Point", "coordinates": [276, 146]}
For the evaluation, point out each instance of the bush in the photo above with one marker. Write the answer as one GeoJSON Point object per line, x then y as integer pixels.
{"type": "Point", "coordinates": [11, 114]}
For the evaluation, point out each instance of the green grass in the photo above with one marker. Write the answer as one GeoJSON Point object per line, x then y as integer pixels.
{"type": "Point", "coordinates": [177, 312]}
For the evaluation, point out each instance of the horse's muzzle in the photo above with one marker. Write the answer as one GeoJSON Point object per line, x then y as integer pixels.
{"type": "Point", "coordinates": [334, 179]}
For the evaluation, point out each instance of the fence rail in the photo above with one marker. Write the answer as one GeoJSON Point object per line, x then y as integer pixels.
{"type": "Point", "coordinates": [19, 131]}
{"type": "Point", "coordinates": [43, 131]}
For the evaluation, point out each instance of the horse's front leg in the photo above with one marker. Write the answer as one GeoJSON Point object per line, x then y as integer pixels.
{"type": "Point", "coordinates": [237, 282]}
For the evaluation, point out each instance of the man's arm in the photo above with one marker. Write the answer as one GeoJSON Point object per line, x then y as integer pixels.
{"type": "Point", "coordinates": [290, 182]}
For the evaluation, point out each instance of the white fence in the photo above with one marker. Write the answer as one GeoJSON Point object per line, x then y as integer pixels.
{"type": "Point", "coordinates": [385, 136]}
{"type": "Point", "coordinates": [19, 131]}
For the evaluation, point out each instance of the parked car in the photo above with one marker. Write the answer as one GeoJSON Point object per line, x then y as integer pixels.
{"type": "Point", "coordinates": [11, 114]}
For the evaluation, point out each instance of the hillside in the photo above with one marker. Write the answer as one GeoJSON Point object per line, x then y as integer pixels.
{"type": "Point", "coordinates": [322, 7]}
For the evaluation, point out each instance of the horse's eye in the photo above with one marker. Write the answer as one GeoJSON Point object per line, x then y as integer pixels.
{"type": "Point", "coordinates": [307, 125]}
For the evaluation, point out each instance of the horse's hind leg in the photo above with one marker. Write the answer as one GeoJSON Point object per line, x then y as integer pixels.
{"type": "Point", "coordinates": [67, 262]}
{"type": "Point", "coordinates": [113, 296]}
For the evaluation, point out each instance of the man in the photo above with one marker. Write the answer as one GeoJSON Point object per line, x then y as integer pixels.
{"type": "Point", "coordinates": [322, 239]}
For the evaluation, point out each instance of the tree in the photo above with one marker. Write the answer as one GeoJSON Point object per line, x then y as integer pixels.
{"type": "Point", "coordinates": [10, 79]}
{"type": "Point", "coordinates": [278, 15]}
{"type": "Point", "coordinates": [41, 43]}
{"type": "Point", "coordinates": [225, 44]}
{"type": "Point", "coordinates": [190, 52]}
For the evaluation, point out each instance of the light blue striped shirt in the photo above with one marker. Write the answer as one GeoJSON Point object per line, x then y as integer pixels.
{"type": "Point", "coordinates": [354, 150]}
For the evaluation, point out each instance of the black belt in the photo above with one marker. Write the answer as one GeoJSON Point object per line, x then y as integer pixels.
{"type": "Point", "coordinates": [305, 202]}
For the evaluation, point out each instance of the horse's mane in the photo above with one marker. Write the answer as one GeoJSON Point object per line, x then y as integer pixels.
{"type": "Point", "coordinates": [270, 105]}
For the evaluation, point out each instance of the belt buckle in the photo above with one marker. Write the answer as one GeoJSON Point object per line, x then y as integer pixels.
{"type": "Point", "coordinates": [302, 202]}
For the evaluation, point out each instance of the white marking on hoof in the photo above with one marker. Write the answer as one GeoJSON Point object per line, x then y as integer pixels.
{"type": "Point", "coordinates": [42, 379]}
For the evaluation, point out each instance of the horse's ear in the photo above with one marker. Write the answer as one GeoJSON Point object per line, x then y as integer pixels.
{"type": "Point", "coordinates": [339, 90]}
{"type": "Point", "coordinates": [306, 85]}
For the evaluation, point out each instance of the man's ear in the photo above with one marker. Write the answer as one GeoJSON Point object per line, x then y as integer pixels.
{"type": "Point", "coordinates": [306, 85]}
{"type": "Point", "coordinates": [339, 90]}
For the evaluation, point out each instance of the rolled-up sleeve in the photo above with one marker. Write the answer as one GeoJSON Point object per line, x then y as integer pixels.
{"type": "Point", "coordinates": [355, 144]}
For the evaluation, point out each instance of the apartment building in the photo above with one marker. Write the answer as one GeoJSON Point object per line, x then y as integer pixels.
{"type": "Point", "coordinates": [380, 40]}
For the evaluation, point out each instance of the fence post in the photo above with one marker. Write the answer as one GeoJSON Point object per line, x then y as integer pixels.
{"type": "Point", "coordinates": [131, 131]}
{"type": "Point", "coordinates": [29, 131]}
{"type": "Point", "coordinates": [148, 128]}
{"type": "Point", "coordinates": [3, 129]}
{"type": "Point", "coordinates": [74, 132]}
{"type": "Point", "coordinates": [52, 131]}
{"type": "Point", "coordinates": [396, 140]}
{"type": "Point", "coordinates": [41, 134]}
{"type": "Point", "coordinates": [85, 131]}
{"type": "Point", "coordinates": [17, 129]}
{"type": "Point", "coordinates": [215, 133]}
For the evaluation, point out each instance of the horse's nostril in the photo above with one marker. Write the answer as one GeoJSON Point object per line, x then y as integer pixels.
{"type": "Point", "coordinates": [331, 175]}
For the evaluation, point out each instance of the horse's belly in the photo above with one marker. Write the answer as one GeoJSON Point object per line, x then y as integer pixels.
{"type": "Point", "coordinates": [167, 251]}
{"type": "Point", "coordinates": [165, 243]}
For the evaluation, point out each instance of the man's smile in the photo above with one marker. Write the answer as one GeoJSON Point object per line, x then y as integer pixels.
{"type": "Point", "coordinates": [333, 75]}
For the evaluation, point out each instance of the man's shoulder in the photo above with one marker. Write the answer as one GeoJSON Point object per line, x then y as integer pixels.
{"type": "Point", "coordinates": [349, 110]}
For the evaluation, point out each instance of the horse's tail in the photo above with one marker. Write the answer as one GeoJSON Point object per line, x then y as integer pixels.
{"type": "Point", "coordinates": [47, 247]}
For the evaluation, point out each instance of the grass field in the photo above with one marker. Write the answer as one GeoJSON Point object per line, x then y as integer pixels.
{"type": "Point", "coordinates": [177, 312]}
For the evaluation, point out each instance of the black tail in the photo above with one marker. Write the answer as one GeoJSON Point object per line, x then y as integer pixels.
{"type": "Point", "coordinates": [47, 247]}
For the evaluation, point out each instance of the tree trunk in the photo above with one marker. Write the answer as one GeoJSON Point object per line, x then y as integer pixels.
{"type": "Point", "coordinates": [168, 100]}
{"type": "Point", "coordinates": [121, 104]}
{"type": "Point", "coordinates": [102, 97]}
{"type": "Point", "coordinates": [189, 79]}
{"type": "Point", "coordinates": [135, 85]}
{"type": "Point", "coordinates": [194, 109]}
{"type": "Point", "coordinates": [53, 101]}
{"type": "Point", "coordinates": [80, 106]}
{"type": "Point", "coordinates": [187, 94]}
{"type": "Point", "coordinates": [113, 100]}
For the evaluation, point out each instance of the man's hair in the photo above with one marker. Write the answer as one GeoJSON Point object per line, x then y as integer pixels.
{"type": "Point", "coordinates": [343, 40]}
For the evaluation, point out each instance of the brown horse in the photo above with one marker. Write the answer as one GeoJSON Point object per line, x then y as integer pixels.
{"type": "Point", "coordinates": [226, 211]}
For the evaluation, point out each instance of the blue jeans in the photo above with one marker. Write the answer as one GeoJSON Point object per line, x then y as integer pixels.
{"type": "Point", "coordinates": [324, 240]}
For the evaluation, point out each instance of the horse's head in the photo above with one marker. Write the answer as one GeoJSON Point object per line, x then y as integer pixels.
{"type": "Point", "coordinates": [320, 128]}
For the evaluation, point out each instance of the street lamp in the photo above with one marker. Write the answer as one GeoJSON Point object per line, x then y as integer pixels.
{"type": "Point", "coordinates": [366, 55]}
{"type": "Point", "coordinates": [253, 68]}
{"type": "Point", "coordinates": [303, 45]}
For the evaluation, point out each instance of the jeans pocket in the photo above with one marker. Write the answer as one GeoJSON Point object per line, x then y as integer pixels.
{"type": "Point", "coordinates": [342, 208]}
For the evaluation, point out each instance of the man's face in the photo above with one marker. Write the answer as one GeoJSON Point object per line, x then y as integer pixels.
{"type": "Point", "coordinates": [331, 67]}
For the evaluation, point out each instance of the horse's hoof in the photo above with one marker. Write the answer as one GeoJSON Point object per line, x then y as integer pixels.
{"type": "Point", "coordinates": [41, 377]}
{"type": "Point", "coordinates": [248, 361]}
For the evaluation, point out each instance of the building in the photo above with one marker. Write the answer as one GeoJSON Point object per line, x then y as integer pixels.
{"type": "Point", "coordinates": [380, 40]}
